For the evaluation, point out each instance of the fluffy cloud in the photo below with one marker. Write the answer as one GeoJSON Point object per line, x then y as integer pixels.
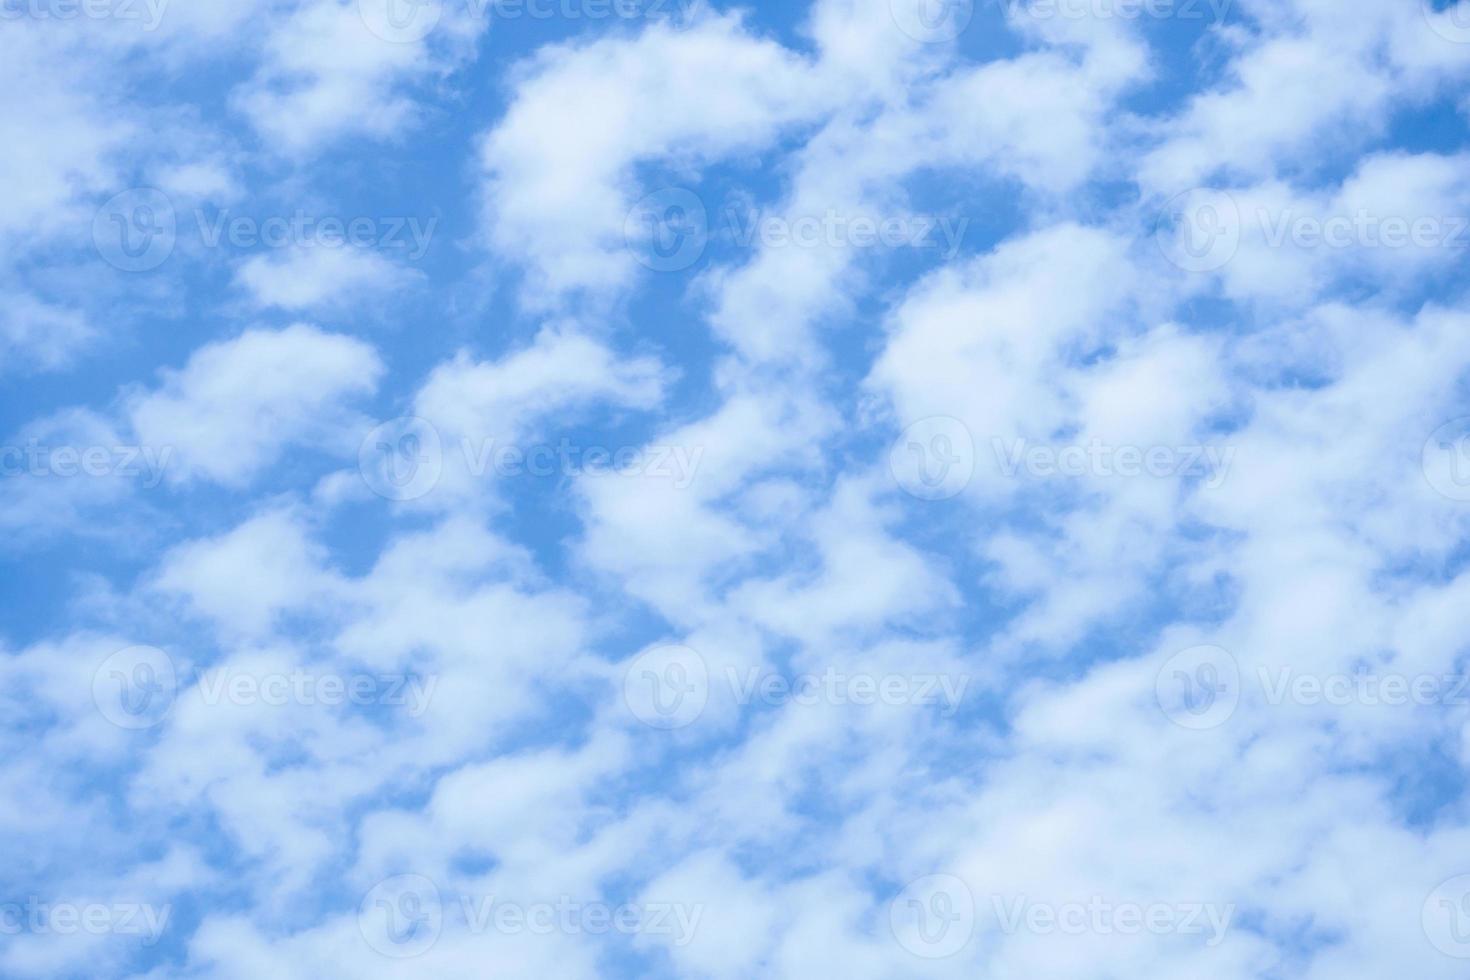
{"type": "Point", "coordinates": [237, 404]}
{"type": "Point", "coordinates": [1029, 606]}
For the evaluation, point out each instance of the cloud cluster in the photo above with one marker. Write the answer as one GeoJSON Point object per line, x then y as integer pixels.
{"type": "Point", "coordinates": [590, 603]}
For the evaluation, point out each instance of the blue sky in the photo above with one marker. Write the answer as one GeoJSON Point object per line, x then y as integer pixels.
{"type": "Point", "coordinates": [873, 488]}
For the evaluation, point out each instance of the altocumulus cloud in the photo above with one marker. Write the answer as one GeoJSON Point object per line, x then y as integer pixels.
{"type": "Point", "coordinates": [612, 488]}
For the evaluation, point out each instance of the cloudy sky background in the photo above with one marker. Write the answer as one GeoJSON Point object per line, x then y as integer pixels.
{"type": "Point", "coordinates": [862, 488]}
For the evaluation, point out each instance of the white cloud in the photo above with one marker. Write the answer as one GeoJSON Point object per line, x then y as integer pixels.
{"type": "Point", "coordinates": [236, 405]}
{"type": "Point", "coordinates": [326, 76]}
{"type": "Point", "coordinates": [317, 277]}
{"type": "Point", "coordinates": [1058, 601]}
{"type": "Point", "coordinates": [34, 333]}
{"type": "Point", "coordinates": [560, 205]}
{"type": "Point", "coordinates": [284, 569]}
{"type": "Point", "coordinates": [481, 409]}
